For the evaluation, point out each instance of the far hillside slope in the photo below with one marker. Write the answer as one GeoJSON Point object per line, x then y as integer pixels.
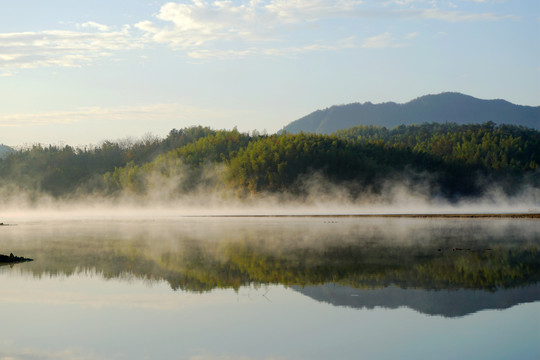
{"type": "Point", "coordinates": [5, 151]}
{"type": "Point", "coordinates": [441, 108]}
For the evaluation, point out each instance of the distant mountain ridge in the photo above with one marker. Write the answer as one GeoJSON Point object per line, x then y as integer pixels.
{"type": "Point", "coordinates": [441, 108]}
{"type": "Point", "coordinates": [5, 151]}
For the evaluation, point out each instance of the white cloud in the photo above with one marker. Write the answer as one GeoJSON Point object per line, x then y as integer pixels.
{"type": "Point", "coordinates": [194, 24]}
{"type": "Point", "coordinates": [223, 29]}
{"type": "Point", "coordinates": [197, 23]}
{"type": "Point", "coordinates": [61, 48]}
{"type": "Point", "coordinates": [95, 25]}
{"type": "Point", "coordinates": [302, 10]}
{"type": "Point", "coordinates": [385, 40]}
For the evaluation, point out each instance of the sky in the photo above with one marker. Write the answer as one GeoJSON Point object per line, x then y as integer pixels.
{"type": "Point", "coordinates": [79, 72]}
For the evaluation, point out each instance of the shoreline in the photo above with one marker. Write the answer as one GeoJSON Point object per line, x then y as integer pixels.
{"type": "Point", "coordinates": [149, 217]}
{"type": "Point", "coordinates": [464, 215]}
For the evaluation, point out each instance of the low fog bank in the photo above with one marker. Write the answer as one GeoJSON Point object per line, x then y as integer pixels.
{"type": "Point", "coordinates": [319, 198]}
{"type": "Point", "coordinates": [202, 254]}
{"type": "Point", "coordinates": [202, 172]}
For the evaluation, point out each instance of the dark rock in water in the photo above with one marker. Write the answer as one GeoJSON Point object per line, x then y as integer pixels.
{"type": "Point", "coordinates": [12, 259]}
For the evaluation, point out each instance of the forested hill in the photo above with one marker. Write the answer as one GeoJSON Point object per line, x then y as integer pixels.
{"type": "Point", "coordinates": [447, 160]}
{"type": "Point", "coordinates": [486, 145]}
{"type": "Point", "coordinates": [442, 108]}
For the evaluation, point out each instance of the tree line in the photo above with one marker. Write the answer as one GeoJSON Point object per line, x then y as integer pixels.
{"type": "Point", "coordinates": [447, 159]}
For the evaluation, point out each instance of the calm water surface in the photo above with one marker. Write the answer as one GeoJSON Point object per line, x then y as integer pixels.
{"type": "Point", "coordinates": [271, 288]}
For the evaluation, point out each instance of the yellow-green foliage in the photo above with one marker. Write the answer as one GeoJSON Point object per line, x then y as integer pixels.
{"type": "Point", "coordinates": [447, 157]}
{"type": "Point", "coordinates": [487, 145]}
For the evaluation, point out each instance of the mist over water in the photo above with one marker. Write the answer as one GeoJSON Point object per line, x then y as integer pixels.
{"type": "Point", "coordinates": [322, 199]}
{"type": "Point", "coordinates": [161, 283]}
{"type": "Point", "coordinates": [100, 244]}
{"type": "Point", "coordinates": [175, 189]}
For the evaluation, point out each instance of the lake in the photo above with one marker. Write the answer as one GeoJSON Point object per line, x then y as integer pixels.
{"type": "Point", "coordinates": [271, 288]}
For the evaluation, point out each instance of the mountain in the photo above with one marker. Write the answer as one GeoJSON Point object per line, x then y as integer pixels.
{"type": "Point", "coordinates": [5, 151]}
{"type": "Point", "coordinates": [442, 108]}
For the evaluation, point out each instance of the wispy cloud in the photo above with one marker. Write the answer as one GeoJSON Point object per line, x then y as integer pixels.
{"type": "Point", "coordinates": [460, 16]}
{"type": "Point", "coordinates": [290, 51]}
{"type": "Point", "coordinates": [434, 3]}
{"type": "Point", "coordinates": [223, 29]}
{"type": "Point", "coordinates": [95, 25]}
{"type": "Point", "coordinates": [385, 40]}
{"type": "Point", "coordinates": [11, 353]}
{"type": "Point", "coordinates": [120, 113]}
{"type": "Point", "coordinates": [61, 48]}
{"type": "Point", "coordinates": [305, 10]}
{"type": "Point", "coordinates": [185, 25]}
{"type": "Point", "coordinates": [403, 2]}
{"type": "Point", "coordinates": [195, 24]}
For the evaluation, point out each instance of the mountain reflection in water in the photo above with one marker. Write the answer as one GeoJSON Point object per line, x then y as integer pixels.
{"type": "Point", "coordinates": [445, 267]}
{"type": "Point", "coordinates": [447, 303]}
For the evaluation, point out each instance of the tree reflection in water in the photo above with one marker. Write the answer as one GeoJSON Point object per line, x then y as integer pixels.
{"type": "Point", "coordinates": [354, 254]}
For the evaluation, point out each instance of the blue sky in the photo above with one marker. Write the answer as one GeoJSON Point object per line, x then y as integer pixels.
{"type": "Point", "coordinates": [81, 71]}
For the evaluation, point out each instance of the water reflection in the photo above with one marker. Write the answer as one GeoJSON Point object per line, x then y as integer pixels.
{"type": "Point", "coordinates": [447, 303]}
{"type": "Point", "coordinates": [449, 267]}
